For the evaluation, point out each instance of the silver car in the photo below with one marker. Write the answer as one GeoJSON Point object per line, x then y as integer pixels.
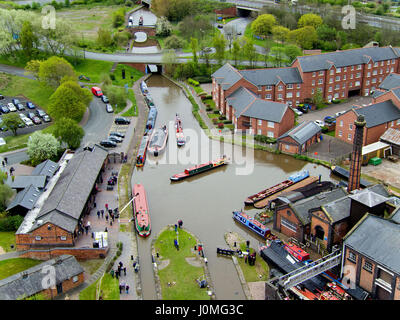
{"type": "Point", "coordinates": [109, 108]}
{"type": "Point", "coordinates": [12, 107]}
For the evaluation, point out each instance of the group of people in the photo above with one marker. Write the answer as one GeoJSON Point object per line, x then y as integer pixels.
{"type": "Point", "coordinates": [250, 258]}
{"type": "Point", "coordinates": [110, 214]}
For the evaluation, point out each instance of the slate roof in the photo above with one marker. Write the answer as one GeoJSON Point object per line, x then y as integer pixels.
{"type": "Point", "coordinates": [395, 216]}
{"type": "Point", "coordinates": [392, 136]}
{"type": "Point", "coordinates": [379, 113]}
{"type": "Point", "coordinates": [46, 168]}
{"type": "Point", "coordinates": [226, 76]}
{"type": "Point", "coordinates": [247, 104]}
{"type": "Point", "coordinates": [377, 93]}
{"type": "Point", "coordinates": [345, 58]}
{"type": "Point", "coordinates": [272, 76]}
{"type": "Point", "coordinates": [338, 209]}
{"type": "Point", "coordinates": [302, 132]}
{"type": "Point", "coordinates": [378, 239]}
{"type": "Point", "coordinates": [379, 189]}
{"type": "Point", "coordinates": [368, 198]}
{"type": "Point", "coordinates": [26, 198]}
{"type": "Point", "coordinates": [302, 207]}
{"type": "Point", "coordinates": [390, 82]}
{"type": "Point", "coordinates": [21, 182]}
{"type": "Point", "coordinates": [29, 282]}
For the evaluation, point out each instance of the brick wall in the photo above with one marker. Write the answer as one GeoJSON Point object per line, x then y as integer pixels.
{"type": "Point", "coordinates": [79, 253]}
{"type": "Point", "coordinates": [288, 214]}
{"type": "Point", "coordinates": [366, 277]}
{"type": "Point", "coordinates": [139, 66]}
{"type": "Point", "coordinates": [288, 145]}
{"type": "Point", "coordinates": [151, 32]}
{"type": "Point", "coordinates": [227, 12]}
{"type": "Point", "coordinates": [67, 285]}
{"type": "Point", "coordinates": [318, 220]}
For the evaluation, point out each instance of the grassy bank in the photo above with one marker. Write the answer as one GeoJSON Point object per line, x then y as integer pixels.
{"type": "Point", "coordinates": [109, 288]}
{"type": "Point", "coordinates": [179, 273]}
{"type": "Point", "coordinates": [6, 240]}
{"type": "Point", "coordinates": [13, 266]}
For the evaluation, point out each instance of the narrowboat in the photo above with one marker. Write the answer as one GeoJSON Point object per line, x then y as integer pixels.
{"type": "Point", "coordinates": [141, 211]}
{"type": "Point", "coordinates": [141, 154]}
{"type": "Point", "coordinates": [143, 87]}
{"type": "Point", "coordinates": [251, 223]}
{"type": "Point", "coordinates": [293, 179]}
{"type": "Point", "coordinates": [343, 173]}
{"type": "Point", "coordinates": [151, 120]}
{"type": "Point", "coordinates": [199, 169]}
{"type": "Point", "coordinates": [158, 140]}
{"type": "Point", "coordinates": [297, 252]}
{"type": "Point", "coordinates": [180, 137]}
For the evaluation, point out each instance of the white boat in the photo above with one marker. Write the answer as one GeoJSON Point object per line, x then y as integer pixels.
{"type": "Point", "coordinates": [158, 140]}
{"type": "Point", "coordinates": [180, 137]}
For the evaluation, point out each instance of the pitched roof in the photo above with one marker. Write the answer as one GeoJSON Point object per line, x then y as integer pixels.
{"type": "Point", "coordinates": [345, 58]}
{"type": "Point", "coordinates": [395, 216]}
{"type": "Point", "coordinates": [339, 209]}
{"type": "Point", "coordinates": [247, 104]}
{"type": "Point", "coordinates": [21, 182]}
{"type": "Point", "coordinates": [26, 198]}
{"type": "Point", "coordinates": [302, 207]}
{"type": "Point", "coordinates": [392, 136]}
{"type": "Point", "coordinates": [368, 198]}
{"type": "Point", "coordinates": [226, 76]}
{"type": "Point", "coordinates": [390, 82]}
{"type": "Point", "coordinates": [29, 282]}
{"type": "Point", "coordinates": [46, 168]}
{"type": "Point", "coordinates": [378, 113]}
{"type": "Point", "coordinates": [271, 76]}
{"type": "Point", "coordinates": [378, 239]}
{"type": "Point", "coordinates": [302, 132]}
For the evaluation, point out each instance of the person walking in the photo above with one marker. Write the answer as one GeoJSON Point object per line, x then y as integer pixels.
{"type": "Point", "coordinates": [106, 217]}
{"type": "Point", "coordinates": [124, 271]}
{"type": "Point", "coordinates": [176, 244]}
{"type": "Point", "coordinates": [127, 289]}
{"type": "Point", "coordinates": [180, 223]}
{"type": "Point", "coordinates": [120, 288]}
{"type": "Point", "coordinates": [6, 160]}
{"type": "Point", "coordinates": [98, 214]}
{"type": "Point", "coordinates": [102, 213]}
{"type": "Point", "coordinates": [176, 228]}
{"type": "Point", "coordinates": [106, 205]}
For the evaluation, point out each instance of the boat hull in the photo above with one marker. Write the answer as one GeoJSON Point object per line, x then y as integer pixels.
{"type": "Point", "coordinates": [141, 211]}
{"type": "Point", "coordinates": [156, 150]}
{"type": "Point", "coordinates": [251, 224]}
{"type": "Point", "coordinates": [207, 167]}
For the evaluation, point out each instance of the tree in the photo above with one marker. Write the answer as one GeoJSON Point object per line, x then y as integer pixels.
{"type": "Point", "coordinates": [52, 70]}
{"type": "Point", "coordinates": [118, 17]}
{"type": "Point", "coordinates": [292, 52]}
{"type": "Point", "coordinates": [69, 101]}
{"type": "Point", "coordinates": [317, 98]}
{"type": "Point", "coordinates": [262, 26]}
{"type": "Point", "coordinates": [173, 42]}
{"type": "Point", "coordinates": [42, 146]}
{"type": "Point", "coordinates": [194, 44]}
{"type": "Point", "coordinates": [219, 43]}
{"type": "Point", "coordinates": [104, 37]}
{"type": "Point", "coordinates": [163, 27]}
{"type": "Point", "coordinates": [277, 55]}
{"type": "Point", "coordinates": [236, 50]}
{"type": "Point", "coordinates": [304, 37]}
{"type": "Point", "coordinates": [230, 35]}
{"type": "Point", "coordinates": [249, 52]}
{"type": "Point", "coordinates": [116, 95]}
{"type": "Point", "coordinates": [28, 39]}
{"type": "Point", "coordinates": [33, 67]}
{"type": "Point", "coordinates": [325, 33]}
{"type": "Point", "coordinates": [309, 19]}
{"type": "Point", "coordinates": [68, 131]}
{"type": "Point", "coordinates": [5, 195]}
{"type": "Point", "coordinates": [280, 33]}
{"type": "Point", "coordinates": [12, 121]}
{"type": "Point", "coordinates": [170, 60]}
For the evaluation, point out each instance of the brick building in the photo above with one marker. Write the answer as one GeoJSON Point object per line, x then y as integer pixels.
{"type": "Point", "coordinates": [379, 116]}
{"type": "Point", "coordinates": [262, 117]}
{"type": "Point", "coordinates": [370, 257]}
{"type": "Point", "coordinates": [338, 75]}
{"type": "Point", "coordinates": [298, 139]}
{"type": "Point", "coordinates": [55, 219]}
{"type": "Point", "coordinates": [392, 137]}
{"type": "Point", "coordinates": [68, 275]}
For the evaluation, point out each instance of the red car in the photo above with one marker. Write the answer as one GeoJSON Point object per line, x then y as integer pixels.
{"type": "Point", "coordinates": [97, 91]}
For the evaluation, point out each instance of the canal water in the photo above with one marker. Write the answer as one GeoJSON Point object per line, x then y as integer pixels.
{"type": "Point", "coordinates": [204, 202]}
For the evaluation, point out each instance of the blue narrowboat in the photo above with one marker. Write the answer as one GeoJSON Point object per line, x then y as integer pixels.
{"type": "Point", "coordinates": [251, 223]}
{"type": "Point", "coordinates": [143, 87]}
{"type": "Point", "coordinates": [151, 120]}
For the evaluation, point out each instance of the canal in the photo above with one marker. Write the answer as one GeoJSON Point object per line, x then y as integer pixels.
{"type": "Point", "coordinates": [204, 202]}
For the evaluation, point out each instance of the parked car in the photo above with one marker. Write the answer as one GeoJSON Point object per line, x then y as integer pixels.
{"type": "Point", "coordinates": [15, 101]}
{"type": "Point", "coordinates": [20, 107]}
{"type": "Point", "coordinates": [109, 108]}
{"type": "Point", "coordinates": [12, 107]}
{"type": "Point", "coordinates": [1, 97]}
{"type": "Point", "coordinates": [4, 109]}
{"type": "Point", "coordinates": [30, 115]}
{"type": "Point", "coordinates": [115, 139]}
{"type": "Point", "coordinates": [46, 118]}
{"type": "Point", "coordinates": [104, 99]}
{"type": "Point", "coordinates": [319, 122]}
{"type": "Point", "coordinates": [302, 108]}
{"type": "Point", "coordinates": [30, 105]}
{"type": "Point", "coordinates": [40, 113]}
{"type": "Point", "coordinates": [108, 143]}
{"type": "Point", "coordinates": [220, 26]}
{"type": "Point", "coordinates": [2, 127]}
{"type": "Point", "coordinates": [337, 114]}
{"type": "Point", "coordinates": [118, 134]}
{"type": "Point", "coordinates": [27, 121]}
{"type": "Point", "coordinates": [36, 120]}
{"type": "Point", "coordinates": [122, 120]}
{"type": "Point", "coordinates": [330, 119]}
{"type": "Point", "coordinates": [97, 91]}
{"type": "Point", "coordinates": [298, 112]}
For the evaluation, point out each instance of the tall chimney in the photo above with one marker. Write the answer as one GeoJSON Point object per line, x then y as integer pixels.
{"type": "Point", "coordinates": [356, 156]}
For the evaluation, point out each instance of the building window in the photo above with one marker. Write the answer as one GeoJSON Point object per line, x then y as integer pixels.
{"type": "Point", "coordinates": [359, 67]}
{"type": "Point", "coordinates": [63, 238]}
{"type": "Point", "coordinates": [298, 94]}
{"type": "Point", "coordinates": [341, 123]}
{"type": "Point", "coordinates": [259, 131]}
{"type": "Point", "coordinates": [349, 136]}
{"type": "Point", "coordinates": [337, 78]}
{"type": "Point", "coordinates": [314, 74]}
{"type": "Point", "coordinates": [392, 69]}
{"type": "Point", "coordinates": [367, 82]}
{"type": "Point", "coordinates": [271, 124]}
{"type": "Point", "coordinates": [351, 126]}
{"type": "Point", "coordinates": [268, 88]}
{"type": "Point", "coordinates": [332, 71]}
{"type": "Point", "coordinates": [344, 85]}
{"type": "Point", "coordinates": [287, 146]}
{"type": "Point", "coordinates": [337, 87]}
{"type": "Point", "coordinates": [375, 72]}
{"type": "Point", "coordinates": [289, 225]}
{"type": "Point", "coordinates": [298, 86]}
{"type": "Point", "coordinates": [345, 69]}
{"type": "Point", "coordinates": [75, 279]}
{"type": "Point", "coordinates": [373, 80]}
{"type": "Point", "coordinates": [320, 81]}
{"type": "Point", "coordinates": [352, 68]}
{"type": "Point", "coordinates": [312, 91]}
{"type": "Point", "coordinates": [38, 238]}
{"type": "Point", "coordinates": [392, 61]}
{"type": "Point", "coordinates": [351, 76]}
{"type": "Point", "coordinates": [375, 64]}
{"type": "Point", "coordinates": [388, 62]}
{"type": "Point", "coordinates": [344, 77]}
{"type": "Point", "coordinates": [259, 122]}
{"type": "Point", "coordinates": [380, 71]}
{"type": "Point", "coordinates": [313, 83]}
{"type": "Point", "coordinates": [358, 74]}
{"type": "Point", "coordinates": [330, 80]}
{"type": "Point", "coordinates": [259, 88]}
{"type": "Point", "coordinates": [369, 66]}
{"type": "Point", "coordinates": [289, 95]}
{"type": "Point", "coordinates": [321, 73]}
{"type": "Point", "coordinates": [398, 121]}
{"type": "Point", "coordinates": [290, 86]}
{"type": "Point", "coordinates": [280, 96]}
{"type": "Point", "coordinates": [382, 63]}
{"type": "Point", "coordinates": [338, 70]}
{"type": "Point", "coordinates": [280, 88]}
{"type": "Point", "coordinates": [330, 89]}
{"type": "Point", "coordinates": [352, 257]}
{"type": "Point", "coordinates": [357, 83]}
{"type": "Point", "coordinates": [270, 134]}
{"type": "Point", "coordinates": [342, 94]}
{"type": "Point", "coordinates": [340, 133]}
{"type": "Point", "coordinates": [268, 96]}
{"type": "Point", "coordinates": [368, 74]}
{"type": "Point", "coordinates": [392, 124]}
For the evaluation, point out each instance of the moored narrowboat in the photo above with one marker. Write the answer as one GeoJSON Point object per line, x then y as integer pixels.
{"type": "Point", "coordinates": [199, 169]}
{"type": "Point", "coordinates": [251, 223]}
{"type": "Point", "coordinates": [141, 154]}
{"type": "Point", "coordinates": [141, 211]}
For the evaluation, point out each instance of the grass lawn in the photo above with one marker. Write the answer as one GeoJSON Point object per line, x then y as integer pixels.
{"type": "Point", "coordinates": [93, 69]}
{"type": "Point", "coordinates": [6, 240]}
{"type": "Point", "coordinates": [15, 142]}
{"type": "Point", "coordinates": [109, 287]}
{"type": "Point", "coordinates": [251, 273]}
{"type": "Point", "coordinates": [13, 266]}
{"type": "Point", "coordinates": [213, 115]}
{"type": "Point", "coordinates": [179, 270]}
{"type": "Point", "coordinates": [129, 72]}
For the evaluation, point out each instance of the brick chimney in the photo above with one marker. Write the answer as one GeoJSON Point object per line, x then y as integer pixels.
{"type": "Point", "coordinates": [356, 156]}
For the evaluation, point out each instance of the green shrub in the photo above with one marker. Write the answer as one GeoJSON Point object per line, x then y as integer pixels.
{"type": "Point", "coordinates": [193, 82]}
{"type": "Point", "coordinates": [264, 139]}
{"type": "Point", "coordinates": [202, 79]}
{"type": "Point", "coordinates": [11, 223]}
{"type": "Point", "coordinates": [216, 111]}
{"type": "Point", "coordinates": [174, 42]}
{"type": "Point", "coordinates": [222, 117]}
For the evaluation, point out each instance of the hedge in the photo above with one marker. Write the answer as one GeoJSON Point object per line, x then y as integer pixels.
{"type": "Point", "coordinates": [264, 139]}
{"type": "Point", "coordinates": [11, 223]}
{"type": "Point", "coordinates": [193, 82]}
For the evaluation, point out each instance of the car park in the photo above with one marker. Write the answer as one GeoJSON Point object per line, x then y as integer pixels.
{"type": "Point", "coordinates": [108, 143]}
{"type": "Point", "coordinates": [30, 115]}
{"type": "Point", "coordinates": [30, 105]}
{"type": "Point", "coordinates": [97, 91]}
{"type": "Point", "coordinates": [104, 99]}
{"type": "Point", "coordinates": [319, 123]}
{"type": "Point", "coordinates": [12, 107]}
{"type": "Point", "coordinates": [40, 113]}
{"type": "Point", "coordinates": [15, 101]}
{"type": "Point", "coordinates": [118, 134]}
{"type": "Point", "coordinates": [46, 118]}
{"type": "Point", "coordinates": [115, 139]}
{"type": "Point", "coordinates": [109, 108]}
{"type": "Point", "coordinates": [27, 121]}
{"type": "Point", "coordinates": [20, 106]}
{"type": "Point", "coordinates": [121, 120]}
{"type": "Point", "coordinates": [4, 109]}
{"type": "Point", "coordinates": [36, 120]}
